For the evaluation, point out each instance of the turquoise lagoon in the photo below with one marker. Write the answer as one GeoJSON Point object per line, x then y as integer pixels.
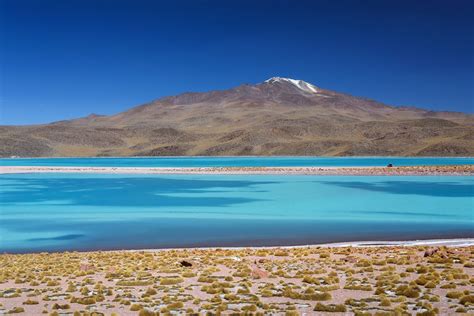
{"type": "Point", "coordinates": [236, 161]}
{"type": "Point", "coordinates": [54, 212]}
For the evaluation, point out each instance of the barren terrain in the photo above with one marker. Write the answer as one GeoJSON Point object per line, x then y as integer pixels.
{"type": "Point", "coordinates": [275, 117]}
{"type": "Point", "coordinates": [383, 280]}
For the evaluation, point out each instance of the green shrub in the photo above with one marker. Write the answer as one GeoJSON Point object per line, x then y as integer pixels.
{"type": "Point", "coordinates": [332, 308]}
{"type": "Point", "coordinates": [170, 281]}
{"type": "Point", "coordinates": [408, 291]}
{"type": "Point", "coordinates": [134, 282]}
{"type": "Point", "coordinates": [52, 283]}
{"type": "Point", "coordinates": [16, 310]}
{"type": "Point", "coordinates": [461, 310]}
{"type": "Point", "coordinates": [249, 308]}
{"type": "Point", "coordinates": [454, 294]}
{"type": "Point", "coordinates": [89, 300]}
{"type": "Point", "coordinates": [150, 291]}
{"type": "Point", "coordinates": [281, 253]}
{"type": "Point", "coordinates": [358, 287]}
{"type": "Point", "coordinates": [136, 307]}
{"type": "Point", "coordinates": [467, 299]}
{"type": "Point", "coordinates": [175, 305]}
{"type": "Point", "coordinates": [63, 306]}
{"type": "Point", "coordinates": [145, 312]}
{"type": "Point", "coordinates": [385, 302]}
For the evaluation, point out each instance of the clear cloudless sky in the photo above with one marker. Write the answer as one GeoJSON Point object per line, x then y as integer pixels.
{"type": "Point", "coordinates": [62, 59]}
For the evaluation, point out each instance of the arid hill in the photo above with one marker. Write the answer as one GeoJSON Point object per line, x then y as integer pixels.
{"type": "Point", "coordinates": [277, 117]}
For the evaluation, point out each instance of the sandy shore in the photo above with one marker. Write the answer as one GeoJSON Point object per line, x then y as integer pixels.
{"type": "Point", "coordinates": [316, 280]}
{"type": "Point", "coordinates": [460, 170]}
{"type": "Point", "coordinates": [455, 242]}
{"type": "Point", "coordinates": [451, 242]}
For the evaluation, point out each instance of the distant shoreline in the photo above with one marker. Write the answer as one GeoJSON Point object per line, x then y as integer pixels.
{"type": "Point", "coordinates": [452, 170]}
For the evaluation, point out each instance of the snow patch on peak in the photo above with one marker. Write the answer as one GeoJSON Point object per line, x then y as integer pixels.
{"type": "Point", "coordinates": [303, 85]}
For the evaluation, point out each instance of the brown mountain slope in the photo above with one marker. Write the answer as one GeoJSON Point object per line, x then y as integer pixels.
{"type": "Point", "coordinates": [277, 117]}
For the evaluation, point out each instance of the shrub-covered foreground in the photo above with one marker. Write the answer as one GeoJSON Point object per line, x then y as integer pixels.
{"type": "Point", "coordinates": [280, 281]}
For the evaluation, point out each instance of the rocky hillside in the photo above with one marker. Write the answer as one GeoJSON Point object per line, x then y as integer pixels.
{"type": "Point", "coordinates": [277, 117]}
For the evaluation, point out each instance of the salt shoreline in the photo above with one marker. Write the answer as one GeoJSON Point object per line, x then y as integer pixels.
{"type": "Point", "coordinates": [454, 242]}
{"type": "Point", "coordinates": [454, 170]}
{"type": "Point", "coordinates": [448, 242]}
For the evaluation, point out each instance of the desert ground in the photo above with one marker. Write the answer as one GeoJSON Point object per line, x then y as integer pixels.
{"type": "Point", "coordinates": [312, 280]}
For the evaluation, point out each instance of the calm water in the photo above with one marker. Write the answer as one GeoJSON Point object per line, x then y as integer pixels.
{"type": "Point", "coordinates": [87, 211]}
{"type": "Point", "coordinates": [236, 161]}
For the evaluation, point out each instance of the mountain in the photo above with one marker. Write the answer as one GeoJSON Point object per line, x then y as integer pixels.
{"type": "Point", "coordinates": [279, 116]}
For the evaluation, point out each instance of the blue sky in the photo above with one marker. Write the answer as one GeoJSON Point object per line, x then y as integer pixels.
{"type": "Point", "coordinates": [63, 59]}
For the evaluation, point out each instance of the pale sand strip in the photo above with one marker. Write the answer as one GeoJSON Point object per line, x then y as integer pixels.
{"type": "Point", "coordinates": [455, 242]}
{"type": "Point", "coordinates": [460, 170]}
{"type": "Point", "coordinates": [452, 243]}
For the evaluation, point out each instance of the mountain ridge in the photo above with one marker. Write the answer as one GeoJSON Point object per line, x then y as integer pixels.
{"type": "Point", "coordinates": [280, 116]}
